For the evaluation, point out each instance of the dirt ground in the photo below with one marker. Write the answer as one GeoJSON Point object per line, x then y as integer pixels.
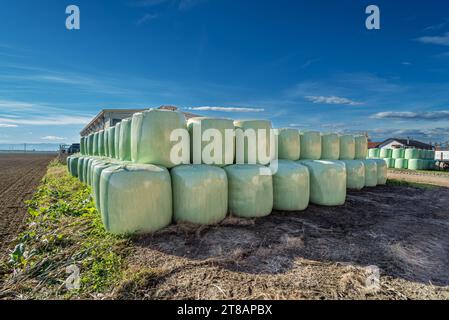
{"type": "Point", "coordinates": [321, 253]}
{"type": "Point", "coordinates": [430, 177]}
{"type": "Point", "coordinates": [20, 174]}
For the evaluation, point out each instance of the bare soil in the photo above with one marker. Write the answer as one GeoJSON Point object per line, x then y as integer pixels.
{"type": "Point", "coordinates": [420, 177]}
{"type": "Point", "coordinates": [20, 174]}
{"type": "Point", "coordinates": [321, 253]}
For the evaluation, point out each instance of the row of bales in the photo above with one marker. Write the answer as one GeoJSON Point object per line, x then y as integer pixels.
{"type": "Point", "coordinates": [138, 187]}
{"type": "Point", "coordinates": [412, 159]}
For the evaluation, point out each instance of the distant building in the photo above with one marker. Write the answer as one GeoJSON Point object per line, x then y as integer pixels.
{"type": "Point", "coordinates": [372, 145]}
{"type": "Point", "coordinates": [110, 117]}
{"type": "Point", "coordinates": [393, 143]}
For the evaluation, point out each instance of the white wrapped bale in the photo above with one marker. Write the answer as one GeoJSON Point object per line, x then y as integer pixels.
{"type": "Point", "coordinates": [370, 172]}
{"type": "Point", "coordinates": [389, 162]}
{"type": "Point", "coordinates": [355, 174]}
{"type": "Point", "coordinates": [291, 189]}
{"type": "Point", "coordinates": [150, 137]}
{"type": "Point", "coordinates": [219, 144]}
{"type": "Point", "coordinates": [200, 194]}
{"type": "Point", "coordinates": [125, 140]}
{"type": "Point", "coordinates": [111, 142]}
{"type": "Point", "coordinates": [330, 146]}
{"type": "Point", "coordinates": [253, 140]}
{"type": "Point", "coordinates": [361, 147]}
{"type": "Point", "coordinates": [289, 144]}
{"type": "Point", "coordinates": [117, 140]}
{"type": "Point", "coordinates": [347, 147]}
{"type": "Point", "coordinates": [327, 182]}
{"type": "Point", "coordinates": [400, 163]}
{"type": "Point", "coordinates": [97, 169]}
{"type": "Point", "coordinates": [382, 172]}
{"type": "Point", "coordinates": [310, 145]}
{"type": "Point", "coordinates": [135, 198]}
{"type": "Point", "coordinates": [385, 153]}
{"type": "Point", "coordinates": [250, 194]}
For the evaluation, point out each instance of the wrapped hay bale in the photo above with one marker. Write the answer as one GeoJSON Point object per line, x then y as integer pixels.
{"type": "Point", "coordinates": [248, 140]}
{"type": "Point", "coordinates": [415, 164]}
{"type": "Point", "coordinates": [411, 154]}
{"type": "Point", "coordinates": [111, 141]}
{"type": "Point", "coordinates": [310, 145]}
{"type": "Point", "coordinates": [361, 147]}
{"type": "Point", "coordinates": [150, 137]}
{"type": "Point", "coordinates": [355, 174]}
{"type": "Point", "coordinates": [330, 146]}
{"type": "Point", "coordinates": [97, 169]}
{"type": "Point", "coordinates": [374, 153]}
{"type": "Point", "coordinates": [385, 153]}
{"type": "Point", "coordinates": [218, 152]}
{"type": "Point", "coordinates": [382, 171]}
{"type": "Point", "coordinates": [101, 143]}
{"type": "Point", "coordinates": [370, 172]}
{"type": "Point", "coordinates": [117, 140]}
{"type": "Point", "coordinates": [389, 162]}
{"type": "Point", "coordinates": [347, 147]}
{"type": "Point", "coordinates": [73, 166]}
{"type": "Point", "coordinates": [135, 198]}
{"type": "Point", "coordinates": [82, 146]}
{"type": "Point", "coordinates": [90, 144]}
{"type": "Point", "coordinates": [79, 168]}
{"type": "Point", "coordinates": [400, 163]}
{"type": "Point", "coordinates": [289, 144]}
{"type": "Point", "coordinates": [86, 167]}
{"type": "Point", "coordinates": [200, 194]}
{"type": "Point", "coordinates": [124, 151]}
{"type": "Point", "coordinates": [250, 194]}
{"type": "Point", "coordinates": [398, 153]}
{"type": "Point", "coordinates": [95, 146]}
{"type": "Point", "coordinates": [291, 189]}
{"type": "Point", "coordinates": [327, 182]}
{"type": "Point", "coordinates": [106, 142]}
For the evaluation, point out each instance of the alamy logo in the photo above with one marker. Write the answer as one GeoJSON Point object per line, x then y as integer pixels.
{"type": "Point", "coordinates": [72, 22]}
{"type": "Point", "coordinates": [73, 280]}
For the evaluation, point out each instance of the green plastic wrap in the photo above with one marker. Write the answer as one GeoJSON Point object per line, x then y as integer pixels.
{"type": "Point", "coordinates": [74, 166]}
{"type": "Point", "coordinates": [197, 126]}
{"type": "Point", "coordinates": [385, 153]}
{"type": "Point", "coordinates": [117, 140]}
{"type": "Point", "coordinates": [361, 147]}
{"type": "Point", "coordinates": [355, 174]}
{"type": "Point", "coordinates": [82, 145]}
{"type": "Point", "coordinates": [289, 147]}
{"type": "Point", "coordinates": [253, 149]}
{"type": "Point", "coordinates": [97, 169]}
{"type": "Point", "coordinates": [415, 164]}
{"type": "Point", "coordinates": [86, 165]}
{"type": "Point", "coordinates": [370, 172]}
{"type": "Point", "coordinates": [411, 154]}
{"type": "Point", "coordinates": [101, 143]}
{"type": "Point", "coordinates": [389, 162]}
{"type": "Point", "coordinates": [135, 198]}
{"type": "Point", "coordinates": [327, 182]}
{"type": "Point", "coordinates": [90, 144]}
{"type": "Point", "coordinates": [106, 142]}
{"type": "Point", "coordinates": [382, 171]}
{"type": "Point", "coordinates": [291, 189]}
{"type": "Point", "coordinates": [150, 137]}
{"type": "Point", "coordinates": [200, 194]}
{"type": "Point", "coordinates": [431, 165]}
{"type": "Point", "coordinates": [310, 145]}
{"type": "Point", "coordinates": [95, 147]}
{"type": "Point", "coordinates": [80, 168]}
{"type": "Point", "coordinates": [111, 141]}
{"type": "Point", "coordinates": [330, 146]}
{"type": "Point", "coordinates": [398, 153]}
{"type": "Point", "coordinates": [250, 194]}
{"type": "Point", "coordinates": [347, 147]}
{"type": "Point", "coordinates": [124, 150]}
{"type": "Point", "coordinates": [373, 153]}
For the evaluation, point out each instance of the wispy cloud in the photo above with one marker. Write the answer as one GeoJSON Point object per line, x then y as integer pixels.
{"type": "Point", "coordinates": [440, 40]}
{"type": "Point", "coordinates": [54, 120]}
{"type": "Point", "coordinates": [430, 115]}
{"type": "Point", "coordinates": [6, 125]}
{"type": "Point", "coordinates": [226, 109]}
{"type": "Point", "coordinates": [146, 18]}
{"type": "Point", "coordinates": [332, 100]}
{"type": "Point", "coordinates": [53, 138]}
{"type": "Point", "coordinates": [437, 26]}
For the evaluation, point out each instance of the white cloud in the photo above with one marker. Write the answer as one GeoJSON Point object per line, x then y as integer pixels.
{"type": "Point", "coordinates": [146, 18]}
{"type": "Point", "coordinates": [440, 40]}
{"type": "Point", "coordinates": [226, 109]}
{"type": "Point", "coordinates": [52, 138]}
{"type": "Point", "coordinates": [332, 100]}
{"type": "Point", "coordinates": [407, 115]}
{"type": "Point", "coordinates": [6, 125]}
{"type": "Point", "coordinates": [49, 121]}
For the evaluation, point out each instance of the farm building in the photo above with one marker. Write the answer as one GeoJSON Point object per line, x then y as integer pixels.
{"type": "Point", "coordinates": [393, 143]}
{"type": "Point", "coordinates": [110, 117]}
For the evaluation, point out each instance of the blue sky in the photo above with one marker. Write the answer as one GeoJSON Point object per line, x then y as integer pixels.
{"type": "Point", "coordinates": [302, 64]}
